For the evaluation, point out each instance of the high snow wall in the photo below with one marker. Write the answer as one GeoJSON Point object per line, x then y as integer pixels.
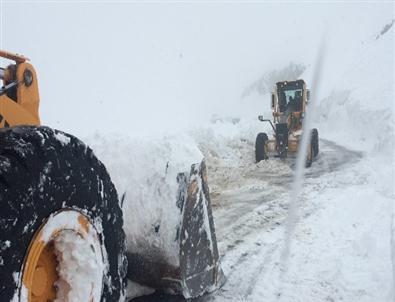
{"type": "Point", "coordinates": [144, 172]}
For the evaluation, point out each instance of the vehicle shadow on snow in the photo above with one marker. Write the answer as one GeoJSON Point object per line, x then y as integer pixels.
{"type": "Point", "coordinates": [330, 158]}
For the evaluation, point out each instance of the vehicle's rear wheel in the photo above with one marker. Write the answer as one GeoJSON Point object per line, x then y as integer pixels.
{"type": "Point", "coordinates": [61, 223]}
{"type": "Point", "coordinates": [315, 141]}
{"type": "Point", "coordinates": [261, 147]}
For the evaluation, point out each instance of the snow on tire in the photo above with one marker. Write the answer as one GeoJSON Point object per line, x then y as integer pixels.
{"type": "Point", "coordinates": [55, 193]}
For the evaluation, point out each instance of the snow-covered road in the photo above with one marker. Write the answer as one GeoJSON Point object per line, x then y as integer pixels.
{"type": "Point", "coordinates": [238, 192]}
{"type": "Point", "coordinates": [250, 204]}
{"type": "Point", "coordinates": [345, 260]}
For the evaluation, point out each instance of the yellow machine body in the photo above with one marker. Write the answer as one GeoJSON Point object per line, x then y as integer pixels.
{"type": "Point", "coordinates": [292, 118]}
{"type": "Point", "coordinates": [19, 96]}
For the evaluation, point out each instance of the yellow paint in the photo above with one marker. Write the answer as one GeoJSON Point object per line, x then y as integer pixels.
{"type": "Point", "coordinates": [20, 107]}
{"type": "Point", "coordinates": [39, 272]}
{"type": "Point", "coordinates": [39, 275]}
{"type": "Point", "coordinates": [84, 224]}
{"type": "Point", "coordinates": [294, 121]}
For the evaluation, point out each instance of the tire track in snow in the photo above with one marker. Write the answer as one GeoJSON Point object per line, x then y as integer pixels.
{"type": "Point", "coordinates": [249, 205]}
{"type": "Point", "coordinates": [246, 202]}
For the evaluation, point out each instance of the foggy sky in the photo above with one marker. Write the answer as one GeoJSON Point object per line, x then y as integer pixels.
{"type": "Point", "coordinates": [146, 67]}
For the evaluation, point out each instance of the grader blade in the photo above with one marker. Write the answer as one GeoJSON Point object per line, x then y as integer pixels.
{"type": "Point", "coordinates": [198, 270]}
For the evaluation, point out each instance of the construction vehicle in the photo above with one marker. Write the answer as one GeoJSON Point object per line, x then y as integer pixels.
{"type": "Point", "coordinates": [61, 215]}
{"type": "Point", "coordinates": [289, 103]}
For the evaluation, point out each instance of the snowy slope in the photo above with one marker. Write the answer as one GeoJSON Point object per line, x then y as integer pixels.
{"type": "Point", "coordinates": [342, 244]}
{"type": "Point", "coordinates": [360, 101]}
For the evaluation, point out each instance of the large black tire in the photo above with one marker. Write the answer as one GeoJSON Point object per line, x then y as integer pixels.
{"type": "Point", "coordinates": [40, 174]}
{"type": "Point", "coordinates": [260, 147]}
{"type": "Point", "coordinates": [310, 155]}
{"type": "Point", "coordinates": [315, 141]}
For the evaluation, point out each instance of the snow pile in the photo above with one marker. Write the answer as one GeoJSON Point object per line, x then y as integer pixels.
{"type": "Point", "coordinates": [225, 138]}
{"type": "Point", "coordinates": [343, 251]}
{"type": "Point", "coordinates": [80, 269]}
{"type": "Point", "coordinates": [357, 106]}
{"type": "Point", "coordinates": [144, 172]}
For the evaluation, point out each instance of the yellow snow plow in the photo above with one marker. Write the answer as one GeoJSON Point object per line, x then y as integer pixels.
{"type": "Point", "coordinates": [62, 224]}
{"type": "Point", "coordinates": [289, 103]}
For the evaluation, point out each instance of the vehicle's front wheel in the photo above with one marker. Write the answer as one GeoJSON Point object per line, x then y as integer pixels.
{"type": "Point", "coordinates": [315, 141]}
{"type": "Point", "coordinates": [61, 223]}
{"type": "Point", "coordinates": [261, 147]}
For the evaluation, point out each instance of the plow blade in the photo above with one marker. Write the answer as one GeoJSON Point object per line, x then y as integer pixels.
{"type": "Point", "coordinates": [197, 270]}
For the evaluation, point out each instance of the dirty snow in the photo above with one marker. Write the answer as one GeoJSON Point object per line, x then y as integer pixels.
{"type": "Point", "coordinates": [134, 290]}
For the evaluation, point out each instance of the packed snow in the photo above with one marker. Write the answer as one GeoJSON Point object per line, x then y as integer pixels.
{"type": "Point", "coordinates": [145, 172]}
{"type": "Point", "coordinates": [80, 268]}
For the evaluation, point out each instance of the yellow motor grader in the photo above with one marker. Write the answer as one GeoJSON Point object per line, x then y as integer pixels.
{"type": "Point", "coordinates": [59, 205]}
{"type": "Point", "coordinates": [289, 103]}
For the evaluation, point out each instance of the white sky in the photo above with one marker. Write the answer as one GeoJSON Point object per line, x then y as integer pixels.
{"type": "Point", "coordinates": [146, 67]}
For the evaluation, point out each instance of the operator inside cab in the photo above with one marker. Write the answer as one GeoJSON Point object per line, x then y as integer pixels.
{"type": "Point", "coordinates": [294, 103]}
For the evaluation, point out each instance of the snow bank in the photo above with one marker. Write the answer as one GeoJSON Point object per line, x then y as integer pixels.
{"type": "Point", "coordinates": [356, 107]}
{"type": "Point", "coordinates": [144, 172]}
{"type": "Point", "coordinates": [343, 251]}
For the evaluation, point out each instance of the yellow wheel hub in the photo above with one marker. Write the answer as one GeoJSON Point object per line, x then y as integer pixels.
{"type": "Point", "coordinates": [40, 267]}
{"type": "Point", "coordinates": [40, 274]}
{"type": "Point", "coordinates": [44, 275]}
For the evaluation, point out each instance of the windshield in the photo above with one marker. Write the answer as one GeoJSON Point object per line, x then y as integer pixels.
{"type": "Point", "coordinates": [290, 100]}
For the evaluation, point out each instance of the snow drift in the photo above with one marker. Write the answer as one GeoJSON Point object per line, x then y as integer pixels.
{"type": "Point", "coordinates": [162, 185]}
{"type": "Point", "coordinates": [144, 172]}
